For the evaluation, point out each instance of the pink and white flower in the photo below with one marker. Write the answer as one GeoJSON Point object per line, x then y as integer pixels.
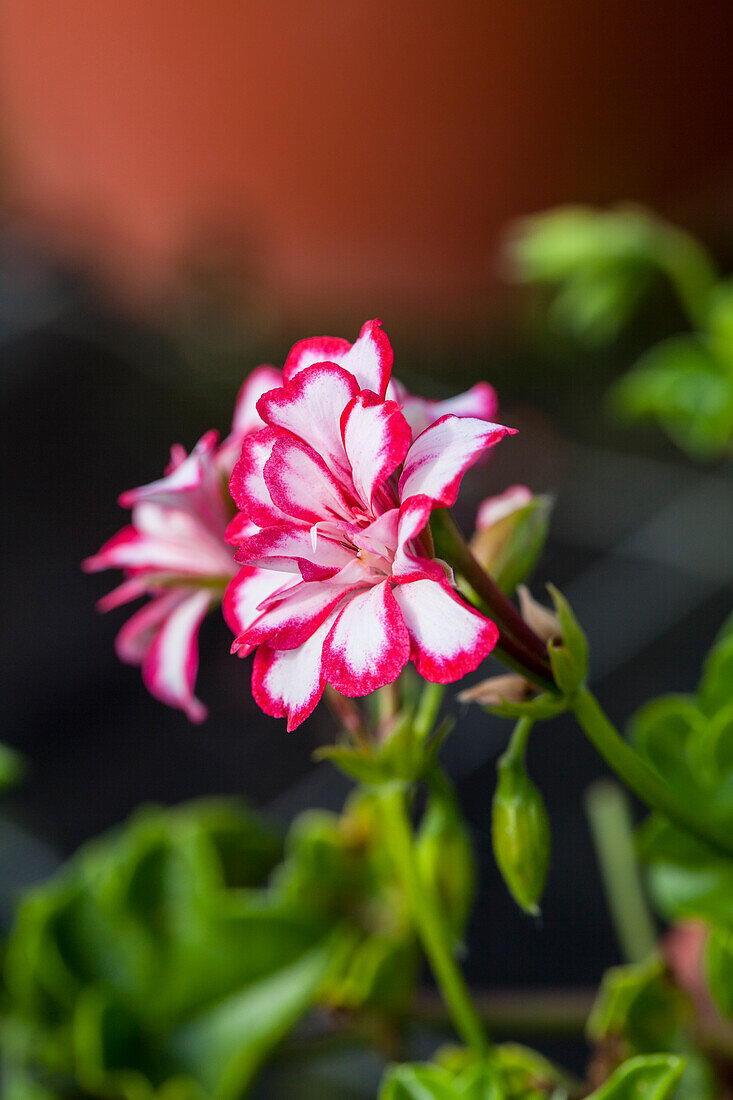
{"type": "Point", "coordinates": [335, 494]}
{"type": "Point", "coordinates": [175, 551]}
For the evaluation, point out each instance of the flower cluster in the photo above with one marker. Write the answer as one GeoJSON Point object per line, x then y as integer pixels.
{"type": "Point", "coordinates": [336, 470]}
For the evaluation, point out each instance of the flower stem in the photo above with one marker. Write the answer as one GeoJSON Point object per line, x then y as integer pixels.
{"type": "Point", "coordinates": [609, 815]}
{"type": "Point", "coordinates": [451, 544]}
{"type": "Point", "coordinates": [431, 927]}
{"type": "Point", "coordinates": [511, 654]}
{"type": "Point", "coordinates": [640, 778]}
{"type": "Point", "coordinates": [427, 709]}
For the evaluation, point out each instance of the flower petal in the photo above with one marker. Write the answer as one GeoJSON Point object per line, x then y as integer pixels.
{"type": "Point", "coordinates": [448, 638]}
{"type": "Point", "coordinates": [369, 359]}
{"type": "Point", "coordinates": [492, 509]}
{"type": "Point", "coordinates": [136, 635]}
{"type": "Point", "coordinates": [247, 485]}
{"type": "Point", "coordinates": [310, 406]}
{"type": "Point", "coordinates": [438, 458]}
{"type": "Point", "coordinates": [242, 599]}
{"type": "Point", "coordinates": [300, 483]}
{"type": "Point", "coordinates": [410, 555]}
{"type": "Point", "coordinates": [368, 645]}
{"type": "Point", "coordinates": [239, 529]}
{"type": "Point", "coordinates": [301, 549]}
{"type": "Point", "coordinates": [171, 663]}
{"type": "Point", "coordinates": [376, 437]}
{"type": "Point", "coordinates": [246, 418]}
{"type": "Point", "coordinates": [480, 401]}
{"type": "Point", "coordinates": [289, 682]}
{"type": "Point", "coordinates": [287, 622]}
{"type": "Point", "coordinates": [185, 477]}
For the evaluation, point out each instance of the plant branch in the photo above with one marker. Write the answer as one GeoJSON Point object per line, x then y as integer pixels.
{"type": "Point", "coordinates": [428, 918]}
{"type": "Point", "coordinates": [640, 778]}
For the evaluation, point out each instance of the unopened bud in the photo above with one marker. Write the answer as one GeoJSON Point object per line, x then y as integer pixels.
{"type": "Point", "coordinates": [509, 688]}
{"type": "Point", "coordinates": [446, 858]}
{"type": "Point", "coordinates": [521, 833]}
{"type": "Point", "coordinates": [510, 532]}
{"type": "Point", "coordinates": [544, 622]}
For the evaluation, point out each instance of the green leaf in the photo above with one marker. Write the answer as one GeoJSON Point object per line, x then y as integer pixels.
{"type": "Point", "coordinates": [430, 1082]}
{"type": "Point", "coordinates": [574, 640]}
{"type": "Point", "coordinates": [681, 385]}
{"type": "Point", "coordinates": [647, 1077]}
{"type": "Point", "coordinates": [225, 1046]}
{"type": "Point", "coordinates": [687, 879]}
{"type": "Point", "coordinates": [12, 767]}
{"type": "Point", "coordinates": [716, 686]}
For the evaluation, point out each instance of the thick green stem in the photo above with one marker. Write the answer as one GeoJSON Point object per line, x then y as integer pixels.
{"type": "Point", "coordinates": [427, 709]}
{"type": "Point", "coordinates": [609, 815]}
{"type": "Point", "coordinates": [640, 778]}
{"type": "Point", "coordinates": [451, 544]}
{"type": "Point", "coordinates": [434, 935]}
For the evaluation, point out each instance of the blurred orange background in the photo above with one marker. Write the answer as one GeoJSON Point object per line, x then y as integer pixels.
{"type": "Point", "coordinates": [342, 154]}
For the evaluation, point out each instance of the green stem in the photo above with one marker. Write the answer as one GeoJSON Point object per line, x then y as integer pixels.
{"type": "Point", "coordinates": [609, 815]}
{"type": "Point", "coordinates": [427, 709]}
{"type": "Point", "coordinates": [640, 778]}
{"type": "Point", "coordinates": [431, 927]}
{"type": "Point", "coordinates": [516, 658]}
{"type": "Point", "coordinates": [451, 544]}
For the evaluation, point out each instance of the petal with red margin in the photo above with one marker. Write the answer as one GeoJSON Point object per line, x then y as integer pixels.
{"type": "Point", "coordinates": [438, 458]}
{"type": "Point", "coordinates": [448, 639]}
{"type": "Point", "coordinates": [376, 437]}
{"type": "Point", "coordinates": [287, 683]}
{"type": "Point", "coordinates": [246, 418]}
{"type": "Point", "coordinates": [300, 483]}
{"type": "Point", "coordinates": [242, 599]}
{"type": "Point", "coordinates": [188, 476]}
{"type": "Point", "coordinates": [136, 635]}
{"type": "Point", "coordinates": [310, 406]}
{"type": "Point", "coordinates": [247, 485]}
{"type": "Point", "coordinates": [296, 549]}
{"type": "Point", "coordinates": [171, 663]}
{"type": "Point", "coordinates": [368, 645]}
{"type": "Point", "coordinates": [288, 622]}
{"type": "Point", "coordinates": [369, 359]}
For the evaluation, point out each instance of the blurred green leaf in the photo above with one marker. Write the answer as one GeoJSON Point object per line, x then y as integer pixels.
{"type": "Point", "coordinates": [12, 767]}
{"type": "Point", "coordinates": [647, 1077]}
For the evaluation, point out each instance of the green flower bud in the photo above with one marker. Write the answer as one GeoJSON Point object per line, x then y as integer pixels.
{"type": "Point", "coordinates": [445, 857]}
{"type": "Point", "coordinates": [520, 832]}
{"type": "Point", "coordinates": [510, 533]}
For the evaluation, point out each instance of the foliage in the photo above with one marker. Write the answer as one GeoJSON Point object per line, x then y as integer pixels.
{"type": "Point", "coordinates": [599, 264]}
{"type": "Point", "coordinates": [172, 955]}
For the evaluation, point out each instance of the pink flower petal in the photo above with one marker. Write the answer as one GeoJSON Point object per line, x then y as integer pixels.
{"type": "Point", "coordinates": [289, 682]}
{"type": "Point", "coordinates": [167, 541]}
{"type": "Point", "coordinates": [239, 529]}
{"type": "Point", "coordinates": [187, 476]}
{"type": "Point", "coordinates": [247, 485]}
{"type": "Point", "coordinates": [310, 406]}
{"type": "Point", "coordinates": [246, 418]}
{"type": "Point", "coordinates": [288, 622]}
{"type": "Point", "coordinates": [297, 549]}
{"type": "Point", "coordinates": [438, 458]}
{"type": "Point", "coordinates": [376, 437]}
{"type": "Point", "coordinates": [368, 645]}
{"type": "Point", "coordinates": [242, 599]}
{"type": "Point", "coordinates": [369, 359]}
{"type": "Point", "coordinates": [300, 483]}
{"type": "Point", "coordinates": [495, 508]}
{"type": "Point", "coordinates": [136, 635]}
{"type": "Point", "coordinates": [410, 555]}
{"type": "Point", "coordinates": [480, 401]}
{"type": "Point", "coordinates": [448, 638]}
{"type": "Point", "coordinates": [171, 663]}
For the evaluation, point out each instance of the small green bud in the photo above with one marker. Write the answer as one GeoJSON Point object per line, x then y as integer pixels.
{"type": "Point", "coordinates": [520, 833]}
{"type": "Point", "coordinates": [511, 530]}
{"type": "Point", "coordinates": [446, 860]}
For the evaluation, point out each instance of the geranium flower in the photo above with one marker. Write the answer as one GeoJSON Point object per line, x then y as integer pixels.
{"type": "Point", "coordinates": [175, 552]}
{"type": "Point", "coordinates": [340, 489]}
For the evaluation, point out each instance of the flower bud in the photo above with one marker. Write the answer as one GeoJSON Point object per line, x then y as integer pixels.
{"type": "Point", "coordinates": [521, 833]}
{"type": "Point", "coordinates": [544, 622]}
{"type": "Point", "coordinates": [509, 688]}
{"type": "Point", "coordinates": [446, 860]}
{"type": "Point", "coordinates": [510, 532]}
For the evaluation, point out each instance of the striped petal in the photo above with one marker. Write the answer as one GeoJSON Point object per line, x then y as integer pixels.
{"type": "Point", "coordinates": [368, 645]}
{"type": "Point", "coordinates": [295, 549]}
{"type": "Point", "coordinates": [438, 459]}
{"type": "Point", "coordinates": [310, 406]}
{"type": "Point", "coordinates": [300, 483]}
{"type": "Point", "coordinates": [246, 418]}
{"type": "Point", "coordinates": [247, 485]}
{"type": "Point", "coordinates": [369, 359]}
{"type": "Point", "coordinates": [171, 663]}
{"type": "Point", "coordinates": [448, 639]}
{"type": "Point", "coordinates": [287, 683]}
{"type": "Point", "coordinates": [288, 622]}
{"type": "Point", "coordinates": [376, 437]}
{"type": "Point", "coordinates": [242, 599]}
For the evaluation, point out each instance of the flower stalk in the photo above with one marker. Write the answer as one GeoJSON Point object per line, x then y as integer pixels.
{"type": "Point", "coordinates": [434, 935]}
